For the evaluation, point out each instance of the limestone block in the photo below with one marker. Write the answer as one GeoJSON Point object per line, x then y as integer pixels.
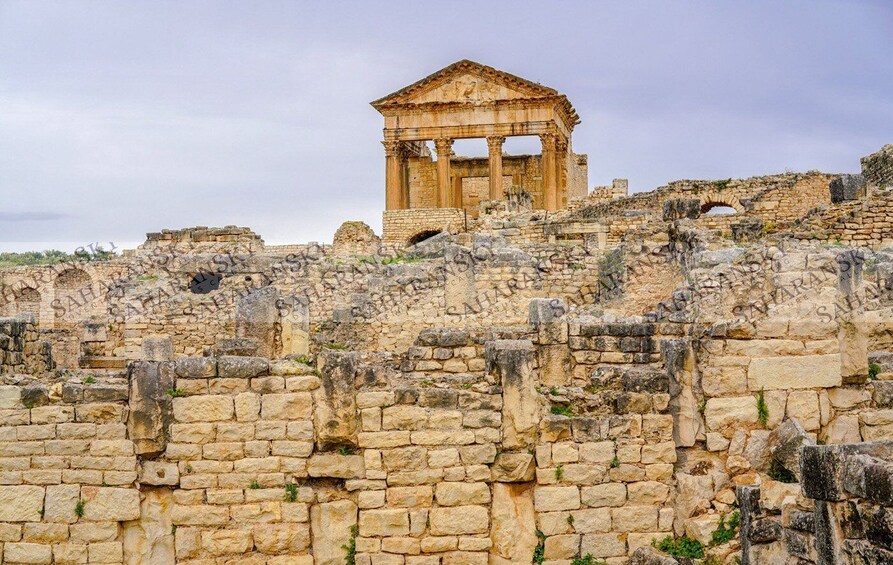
{"type": "Point", "coordinates": [702, 527]}
{"type": "Point", "coordinates": [785, 444]}
{"type": "Point", "coordinates": [603, 545]}
{"type": "Point", "coordinates": [384, 522]}
{"type": "Point", "coordinates": [281, 538]}
{"type": "Point", "coordinates": [230, 366]}
{"type": "Point", "coordinates": [21, 503]}
{"type": "Point", "coordinates": [337, 466]}
{"type": "Point", "coordinates": [848, 398]}
{"type": "Point", "coordinates": [734, 411]}
{"type": "Point", "coordinates": [203, 408]}
{"type": "Point", "coordinates": [31, 553]}
{"type": "Point", "coordinates": [106, 552]}
{"type": "Point", "coordinates": [335, 408]}
{"type": "Point", "coordinates": [513, 468]}
{"type": "Point", "coordinates": [60, 503]}
{"type": "Point", "coordinates": [286, 406]}
{"type": "Point", "coordinates": [157, 348]}
{"type": "Point", "coordinates": [458, 494]}
{"type": "Point", "coordinates": [843, 429]}
{"type": "Point", "coordinates": [70, 553]}
{"type": "Point", "coordinates": [330, 524]}
{"type": "Point", "coordinates": [512, 362]}
{"type": "Point", "coordinates": [108, 504]}
{"type": "Point", "coordinates": [609, 494]}
{"type": "Point", "coordinates": [802, 371]}
{"type": "Point", "coordinates": [803, 406]}
{"type": "Point", "coordinates": [459, 520]}
{"type": "Point", "coordinates": [10, 395]}
{"type": "Point", "coordinates": [159, 473]}
{"type": "Point", "coordinates": [554, 498]}
{"type": "Point", "coordinates": [692, 491]}
{"type": "Point", "coordinates": [227, 542]}
{"type": "Point", "coordinates": [594, 520]}
{"type": "Point", "coordinates": [634, 518]}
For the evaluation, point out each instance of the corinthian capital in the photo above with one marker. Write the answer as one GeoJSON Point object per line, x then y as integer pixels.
{"type": "Point", "coordinates": [549, 141]}
{"type": "Point", "coordinates": [443, 146]}
{"type": "Point", "coordinates": [494, 142]}
{"type": "Point", "coordinates": [392, 148]}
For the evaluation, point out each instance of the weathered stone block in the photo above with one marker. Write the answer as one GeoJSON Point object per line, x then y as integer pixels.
{"type": "Point", "coordinates": [21, 503]}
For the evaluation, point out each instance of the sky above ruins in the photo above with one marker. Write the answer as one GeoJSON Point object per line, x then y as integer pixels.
{"type": "Point", "coordinates": [121, 118]}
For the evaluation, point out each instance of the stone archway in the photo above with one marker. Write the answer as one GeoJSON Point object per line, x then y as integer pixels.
{"type": "Point", "coordinates": [713, 200]}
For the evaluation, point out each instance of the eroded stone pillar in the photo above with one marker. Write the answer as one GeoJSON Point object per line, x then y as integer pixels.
{"type": "Point", "coordinates": [852, 329]}
{"type": "Point", "coordinates": [443, 147]}
{"type": "Point", "coordinates": [331, 524]}
{"type": "Point", "coordinates": [150, 406]}
{"type": "Point", "coordinates": [512, 362]}
{"type": "Point", "coordinates": [561, 146]}
{"type": "Point", "coordinates": [513, 529]}
{"type": "Point", "coordinates": [547, 317]}
{"type": "Point", "coordinates": [494, 158]}
{"type": "Point", "coordinates": [550, 182]}
{"type": "Point", "coordinates": [393, 175]}
{"type": "Point", "coordinates": [688, 423]}
{"type": "Point", "coordinates": [335, 401]}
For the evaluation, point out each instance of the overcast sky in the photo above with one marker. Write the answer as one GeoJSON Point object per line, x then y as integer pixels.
{"type": "Point", "coordinates": [119, 118]}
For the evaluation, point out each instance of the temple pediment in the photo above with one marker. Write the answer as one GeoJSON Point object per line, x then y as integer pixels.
{"type": "Point", "coordinates": [466, 82]}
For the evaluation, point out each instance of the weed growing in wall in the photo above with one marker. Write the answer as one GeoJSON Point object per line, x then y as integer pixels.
{"type": "Point", "coordinates": [762, 409]}
{"type": "Point", "coordinates": [539, 553]}
{"type": "Point", "coordinates": [291, 492]}
{"type": "Point", "coordinates": [681, 547]}
{"type": "Point", "coordinates": [351, 546]}
{"type": "Point", "coordinates": [726, 531]}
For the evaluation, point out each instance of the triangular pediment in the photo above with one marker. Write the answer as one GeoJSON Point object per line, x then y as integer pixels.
{"type": "Point", "coordinates": [466, 81]}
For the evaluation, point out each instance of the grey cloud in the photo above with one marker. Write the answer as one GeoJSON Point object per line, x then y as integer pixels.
{"type": "Point", "coordinates": [131, 117]}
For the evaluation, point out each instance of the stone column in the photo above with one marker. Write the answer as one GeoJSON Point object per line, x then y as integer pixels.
{"type": "Point", "coordinates": [560, 172]}
{"type": "Point", "coordinates": [393, 175]}
{"type": "Point", "coordinates": [443, 147]}
{"type": "Point", "coordinates": [550, 183]}
{"type": "Point", "coordinates": [494, 146]}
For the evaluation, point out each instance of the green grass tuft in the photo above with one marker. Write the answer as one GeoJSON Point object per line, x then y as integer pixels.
{"type": "Point", "coordinates": [762, 409]}
{"type": "Point", "coordinates": [681, 547]}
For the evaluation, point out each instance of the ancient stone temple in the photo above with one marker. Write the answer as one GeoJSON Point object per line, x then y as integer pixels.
{"type": "Point", "coordinates": [468, 100]}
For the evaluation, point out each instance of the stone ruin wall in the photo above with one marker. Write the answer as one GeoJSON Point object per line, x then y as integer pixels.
{"type": "Point", "coordinates": [450, 452]}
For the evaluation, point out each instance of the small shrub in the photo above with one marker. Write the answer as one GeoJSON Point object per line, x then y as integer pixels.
{"type": "Point", "coordinates": [539, 552]}
{"type": "Point", "coordinates": [725, 532]}
{"type": "Point", "coordinates": [90, 380]}
{"type": "Point", "coordinates": [553, 391]}
{"type": "Point", "coordinates": [303, 359]}
{"type": "Point", "coordinates": [351, 547]}
{"type": "Point", "coordinates": [347, 450]}
{"type": "Point", "coordinates": [559, 472]}
{"type": "Point", "coordinates": [762, 409]}
{"type": "Point", "coordinates": [79, 508]}
{"type": "Point", "coordinates": [291, 492]}
{"type": "Point", "coordinates": [570, 519]}
{"type": "Point", "coordinates": [335, 346]}
{"type": "Point", "coordinates": [254, 485]}
{"type": "Point", "coordinates": [873, 371]}
{"type": "Point", "coordinates": [175, 393]}
{"type": "Point", "coordinates": [681, 547]}
{"type": "Point", "coordinates": [561, 410]}
{"type": "Point", "coordinates": [615, 463]}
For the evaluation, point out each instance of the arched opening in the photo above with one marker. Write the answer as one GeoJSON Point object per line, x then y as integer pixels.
{"type": "Point", "coordinates": [717, 209]}
{"type": "Point", "coordinates": [203, 283]}
{"type": "Point", "coordinates": [422, 236]}
{"type": "Point", "coordinates": [73, 294]}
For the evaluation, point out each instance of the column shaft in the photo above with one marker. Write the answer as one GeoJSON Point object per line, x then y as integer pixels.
{"type": "Point", "coordinates": [494, 145]}
{"type": "Point", "coordinates": [550, 184]}
{"type": "Point", "coordinates": [443, 147]}
{"type": "Point", "coordinates": [393, 177]}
